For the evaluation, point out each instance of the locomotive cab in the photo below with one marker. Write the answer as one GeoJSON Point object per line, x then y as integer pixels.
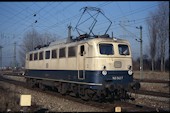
{"type": "Point", "coordinates": [109, 63]}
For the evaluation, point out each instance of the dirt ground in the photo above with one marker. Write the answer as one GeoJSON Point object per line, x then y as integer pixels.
{"type": "Point", "coordinates": [158, 87]}
{"type": "Point", "coordinates": [7, 99]}
{"type": "Point", "coordinates": [152, 75]}
{"type": "Point", "coordinates": [10, 101]}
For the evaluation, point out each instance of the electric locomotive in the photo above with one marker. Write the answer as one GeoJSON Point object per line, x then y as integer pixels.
{"type": "Point", "coordinates": [99, 66]}
{"type": "Point", "coordinates": [90, 66]}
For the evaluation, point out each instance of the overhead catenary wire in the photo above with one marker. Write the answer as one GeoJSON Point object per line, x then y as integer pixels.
{"type": "Point", "coordinates": [15, 15]}
{"type": "Point", "coordinates": [99, 5]}
{"type": "Point", "coordinates": [47, 13]}
{"type": "Point", "coordinates": [63, 21]}
{"type": "Point", "coordinates": [136, 21]}
{"type": "Point", "coordinates": [26, 18]}
{"type": "Point", "coordinates": [102, 4]}
{"type": "Point", "coordinates": [72, 18]}
{"type": "Point", "coordinates": [131, 13]}
{"type": "Point", "coordinates": [43, 18]}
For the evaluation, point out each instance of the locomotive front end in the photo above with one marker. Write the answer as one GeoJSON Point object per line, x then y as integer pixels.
{"type": "Point", "coordinates": [115, 62]}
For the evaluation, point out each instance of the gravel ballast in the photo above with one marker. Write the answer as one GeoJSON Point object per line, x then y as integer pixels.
{"type": "Point", "coordinates": [49, 102]}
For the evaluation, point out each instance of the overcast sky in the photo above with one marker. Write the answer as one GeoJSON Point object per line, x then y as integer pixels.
{"type": "Point", "coordinates": [16, 18]}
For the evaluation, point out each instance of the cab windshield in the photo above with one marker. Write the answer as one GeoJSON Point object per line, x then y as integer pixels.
{"type": "Point", "coordinates": [106, 49]}
{"type": "Point", "coordinates": [123, 49]}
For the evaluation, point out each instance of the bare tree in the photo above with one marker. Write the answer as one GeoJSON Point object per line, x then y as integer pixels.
{"type": "Point", "coordinates": [152, 27]}
{"type": "Point", "coordinates": [163, 30]}
{"type": "Point", "coordinates": [158, 27]}
{"type": "Point", "coordinates": [31, 40]}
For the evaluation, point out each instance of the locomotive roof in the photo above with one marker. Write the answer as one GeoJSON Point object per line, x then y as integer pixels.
{"type": "Point", "coordinates": [90, 39]}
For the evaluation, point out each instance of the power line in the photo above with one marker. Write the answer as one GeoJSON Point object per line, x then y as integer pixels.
{"type": "Point", "coordinates": [141, 10]}
{"type": "Point", "coordinates": [33, 23]}
{"type": "Point", "coordinates": [18, 20]}
{"type": "Point", "coordinates": [133, 12]}
{"type": "Point", "coordinates": [129, 21]}
{"type": "Point", "coordinates": [39, 12]}
{"type": "Point", "coordinates": [46, 13]}
{"type": "Point", "coordinates": [128, 31]}
{"type": "Point", "coordinates": [72, 18]}
{"type": "Point", "coordinates": [15, 15]}
{"type": "Point", "coordinates": [103, 4]}
{"type": "Point", "coordinates": [47, 4]}
{"type": "Point", "coordinates": [68, 19]}
{"type": "Point", "coordinates": [63, 21]}
{"type": "Point", "coordinates": [27, 18]}
{"type": "Point", "coordinates": [130, 8]}
{"type": "Point", "coordinates": [120, 9]}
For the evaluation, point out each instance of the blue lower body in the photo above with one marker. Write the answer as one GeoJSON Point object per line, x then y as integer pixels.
{"type": "Point", "coordinates": [94, 79]}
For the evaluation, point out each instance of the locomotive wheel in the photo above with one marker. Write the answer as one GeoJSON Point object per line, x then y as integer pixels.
{"type": "Point", "coordinates": [41, 86]}
{"type": "Point", "coordinates": [95, 97]}
{"type": "Point", "coordinates": [90, 93]}
{"type": "Point", "coordinates": [30, 83]}
{"type": "Point", "coordinates": [116, 94]}
{"type": "Point", "coordinates": [101, 95]}
{"type": "Point", "coordinates": [74, 90]}
{"type": "Point", "coordinates": [27, 81]}
{"type": "Point", "coordinates": [85, 96]}
{"type": "Point", "coordinates": [83, 93]}
{"type": "Point", "coordinates": [63, 88]}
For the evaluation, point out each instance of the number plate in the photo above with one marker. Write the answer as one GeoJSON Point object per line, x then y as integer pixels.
{"type": "Point", "coordinates": [117, 77]}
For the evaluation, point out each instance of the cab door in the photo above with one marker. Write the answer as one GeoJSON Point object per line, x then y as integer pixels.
{"type": "Point", "coordinates": [81, 59]}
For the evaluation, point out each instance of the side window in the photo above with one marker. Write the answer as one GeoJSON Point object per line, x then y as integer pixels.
{"type": "Point", "coordinates": [47, 55]}
{"type": "Point", "coordinates": [31, 55]}
{"type": "Point", "coordinates": [35, 56]}
{"type": "Point", "coordinates": [72, 51]}
{"type": "Point", "coordinates": [54, 53]}
{"type": "Point", "coordinates": [41, 55]}
{"type": "Point", "coordinates": [62, 53]}
{"type": "Point", "coordinates": [82, 50]}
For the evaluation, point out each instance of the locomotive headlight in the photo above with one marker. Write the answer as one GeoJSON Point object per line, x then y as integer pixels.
{"type": "Point", "coordinates": [104, 72]}
{"type": "Point", "coordinates": [130, 72]}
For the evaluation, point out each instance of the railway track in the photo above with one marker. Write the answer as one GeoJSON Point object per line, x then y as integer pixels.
{"type": "Point", "coordinates": [12, 72]}
{"type": "Point", "coordinates": [153, 81]}
{"type": "Point", "coordinates": [152, 93]}
{"type": "Point", "coordinates": [107, 106]}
